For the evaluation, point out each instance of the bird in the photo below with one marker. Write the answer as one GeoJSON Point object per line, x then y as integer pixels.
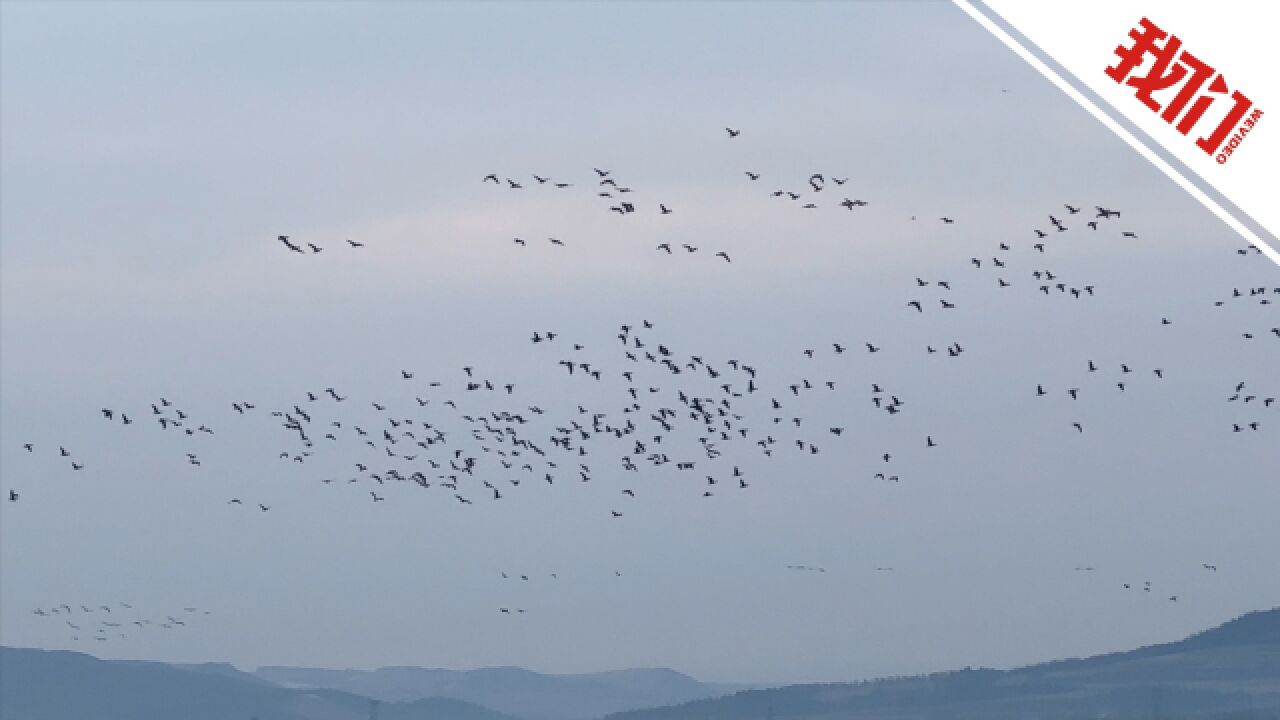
{"type": "Point", "coordinates": [13, 495]}
{"type": "Point", "coordinates": [354, 244]}
{"type": "Point", "coordinates": [285, 239]}
{"type": "Point", "coordinates": [733, 133]}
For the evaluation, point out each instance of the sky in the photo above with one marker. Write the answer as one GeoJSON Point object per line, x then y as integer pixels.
{"type": "Point", "coordinates": [151, 154]}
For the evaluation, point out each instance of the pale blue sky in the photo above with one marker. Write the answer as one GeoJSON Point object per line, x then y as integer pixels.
{"type": "Point", "coordinates": [149, 155]}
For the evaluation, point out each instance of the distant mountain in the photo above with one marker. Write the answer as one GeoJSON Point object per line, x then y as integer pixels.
{"type": "Point", "coordinates": [1255, 629]}
{"type": "Point", "coordinates": [436, 708]}
{"type": "Point", "coordinates": [213, 668]}
{"type": "Point", "coordinates": [59, 685]}
{"type": "Point", "coordinates": [1229, 672]}
{"type": "Point", "coordinates": [519, 692]}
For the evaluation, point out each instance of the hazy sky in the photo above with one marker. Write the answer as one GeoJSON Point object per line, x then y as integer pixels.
{"type": "Point", "coordinates": [150, 154]}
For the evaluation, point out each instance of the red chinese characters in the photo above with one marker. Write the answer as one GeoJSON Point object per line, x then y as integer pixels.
{"type": "Point", "coordinates": [1172, 66]}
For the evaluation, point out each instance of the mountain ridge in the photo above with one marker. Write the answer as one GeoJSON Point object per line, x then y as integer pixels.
{"type": "Point", "coordinates": [1228, 671]}
{"type": "Point", "coordinates": [513, 690]}
{"type": "Point", "coordinates": [37, 684]}
{"type": "Point", "coordinates": [1230, 668]}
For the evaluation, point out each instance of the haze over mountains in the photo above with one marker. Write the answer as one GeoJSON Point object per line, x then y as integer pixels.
{"type": "Point", "coordinates": [517, 691]}
{"type": "Point", "coordinates": [61, 685]}
{"type": "Point", "coordinates": [1231, 671]}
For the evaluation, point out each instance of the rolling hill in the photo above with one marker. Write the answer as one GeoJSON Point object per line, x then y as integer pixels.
{"type": "Point", "coordinates": [60, 685]}
{"type": "Point", "coordinates": [516, 691]}
{"type": "Point", "coordinates": [1231, 671]}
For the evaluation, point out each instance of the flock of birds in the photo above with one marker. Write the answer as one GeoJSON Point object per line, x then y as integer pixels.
{"type": "Point", "coordinates": [117, 621]}
{"type": "Point", "coordinates": [615, 196]}
{"type": "Point", "coordinates": [314, 249]}
{"type": "Point", "coordinates": [672, 410]}
{"type": "Point", "coordinates": [656, 410]}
